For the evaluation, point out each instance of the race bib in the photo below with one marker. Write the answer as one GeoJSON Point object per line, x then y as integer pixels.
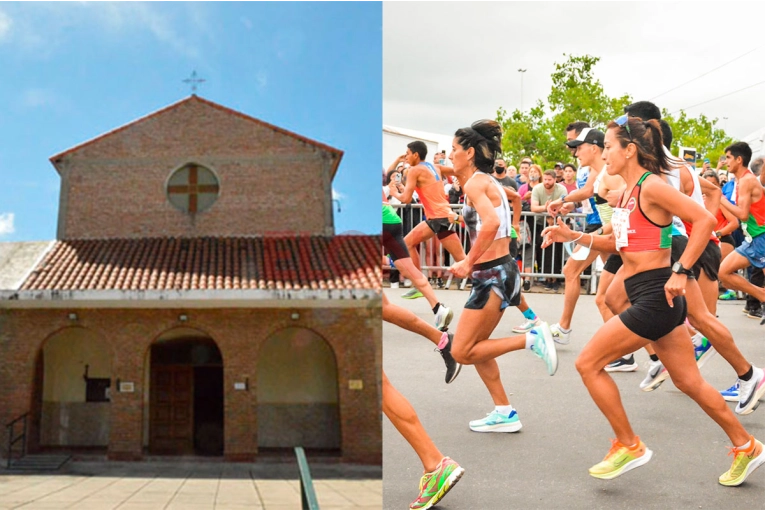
{"type": "Point", "coordinates": [587, 207]}
{"type": "Point", "coordinates": [620, 221]}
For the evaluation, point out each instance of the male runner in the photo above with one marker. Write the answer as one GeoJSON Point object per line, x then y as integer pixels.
{"type": "Point", "coordinates": [426, 179]}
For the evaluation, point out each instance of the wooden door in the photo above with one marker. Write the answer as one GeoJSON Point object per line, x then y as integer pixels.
{"type": "Point", "coordinates": [172, 410]}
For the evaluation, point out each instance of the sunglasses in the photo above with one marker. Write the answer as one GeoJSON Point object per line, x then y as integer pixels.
{"type": "Point", "coordinates": [622, 122]}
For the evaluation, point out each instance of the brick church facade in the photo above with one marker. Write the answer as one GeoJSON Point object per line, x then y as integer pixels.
{"type": "Point", "coordinates": [196, 300]}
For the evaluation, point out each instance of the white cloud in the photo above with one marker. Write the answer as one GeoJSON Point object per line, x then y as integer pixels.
{"type": "Point", "coordinates": [48, 26]}
{"type": "Point", "coordinates": [5, 25]}
{"type": "Point", "coordinates": [336, 195]}
{"type": "Point", "coordinates": [6, 224]}
{"type": "Point", "coordinates": [262, 79]}
{"type": "Point", "coordinates": [476, 75]}
{"type": "Point", "coordinates": [37, 97]}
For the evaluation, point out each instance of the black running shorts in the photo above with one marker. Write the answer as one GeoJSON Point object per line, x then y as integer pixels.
{"type": "Point", "coordinates": [709, 260]}
{"type": "Point", "coordinates": [649, 315]}
{"type": "Point", "coordinates": [442, 227]}
{"type": "Point", "coordinates": [500, 276]}
{"type": "Point", "coordinates": [393, 241]}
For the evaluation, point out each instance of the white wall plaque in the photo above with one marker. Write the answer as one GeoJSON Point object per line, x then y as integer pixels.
{"type": "Point", "coordinates": [127, 387]}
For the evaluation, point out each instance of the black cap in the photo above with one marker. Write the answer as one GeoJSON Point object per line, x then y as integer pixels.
{"type": "Point", "coordinates": [588, 135]}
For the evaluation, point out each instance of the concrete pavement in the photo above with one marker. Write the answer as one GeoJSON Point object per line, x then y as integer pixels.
{"type": "Point", "coordinates": [545, 464]}
{"type": "Point", "coordinates": [188, 486]}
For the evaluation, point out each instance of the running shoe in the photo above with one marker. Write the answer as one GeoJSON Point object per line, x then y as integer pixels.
{"type": "Point", "coordinates": [744, 463]}
{"type": "Point", "coordinates": [526, 285]}
{"type": "Point", "coordinates": [412, 294]}
{"type": "Point", "coordinates": [732, 393]}
{"type": "Point", "coordinates": [559, 336]}
{"type": "Point", "coordinates": [527, 326]}
{"type": "Point", "coordinates": [544, 346]}
{"type": "Point", "coordinates": [623, 365]}
{"type": "Point", "coordinates": [750, 392]}
{"type": "Point", "coordinates": [728, 295]}
{"type": "Point", "coordinates": [497, 422]}
{"type": "Point", "coordinates": [762, 313]}
{"type": "Point", "coordinates": [621, 459]}
{"type": "Point", "coordinates": [452, 367]}
{"type": "Point", "coordinates": [704, 351]}
{"type": "Point", "coordinates": [443, 317]}
{"type": "Point", "coordinates": [435, 485]}
{"type": "Point", "coordinates": [657, 374]}
{"type": "Point", "coordinates": [754, 313]}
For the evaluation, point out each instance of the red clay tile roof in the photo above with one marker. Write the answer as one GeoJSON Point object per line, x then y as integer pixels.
{"type": "Point", "coordinates": [290, 263]}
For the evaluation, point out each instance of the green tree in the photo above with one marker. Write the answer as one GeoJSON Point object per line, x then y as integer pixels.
{"type": "Point", "coordinates": [699, 133]}
{"type": "Point", "coordinates": [577, 95]}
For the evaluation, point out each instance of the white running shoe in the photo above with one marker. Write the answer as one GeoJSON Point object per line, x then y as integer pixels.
{"type": "Point", "coordinates": [657, 374]}
{"type": "Point", "coordinates": [750, 392]}
{"type": "Point", "coordinates": [526, 326]}
{"type": "Point", "coordinates": [443, 317]}
{"type": "Point", "coordinates": [559, 336]}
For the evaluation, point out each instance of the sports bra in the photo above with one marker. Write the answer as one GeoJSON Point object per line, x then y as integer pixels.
{"type": "Point", "coordinates": [642, 233]}
{"type": "Point", "coordinates": [473, 221]}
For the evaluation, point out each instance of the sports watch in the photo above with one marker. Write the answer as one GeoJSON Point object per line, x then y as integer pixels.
{"type": "Point", "coordinates": [678, 268]}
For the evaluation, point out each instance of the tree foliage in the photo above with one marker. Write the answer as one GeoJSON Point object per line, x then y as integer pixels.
{"type": "Point", "coordinates": [577, 95]}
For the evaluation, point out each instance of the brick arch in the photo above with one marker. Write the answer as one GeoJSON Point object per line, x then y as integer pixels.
{"type": "Point", "coordinates": [101, 335]}
{"type": "Point", "coordinates": [280, 326]}
{"type": "Point", "coordinates": [157, 336]}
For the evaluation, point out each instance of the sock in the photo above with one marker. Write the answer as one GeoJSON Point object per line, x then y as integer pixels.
{"type": "Point", "coordinates": [562, 330]}
{"type": "Point", "coordinates": [530, 315]}
{"type": "Point", "coordinates": [504, 410]}
{"type": "Point", "coordinates": [435, 308]}
{"type": "Point", "coordinates": [443, 342]}
{"type": "Point", "coordinates": [529, 341]}
{"type": "Point", "coordinates": [697, 338]}
{"type": "Point", "coordinates": [748, 375]}
{"type": "Point", "coordinates": [654, 357]}
{"type": "Point", "coordinates": [745, 446]}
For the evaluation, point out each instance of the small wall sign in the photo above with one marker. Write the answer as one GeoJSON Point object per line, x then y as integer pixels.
{"type": "Point", "coordinates": [355, 384]}
{"type": "Point", "coordinates": [127, 387]}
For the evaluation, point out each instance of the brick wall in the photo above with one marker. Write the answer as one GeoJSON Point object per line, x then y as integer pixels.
{"type": "Point", "coordinates": [269, 181]}
{"type": "Point", "coordinates": [354, 335]}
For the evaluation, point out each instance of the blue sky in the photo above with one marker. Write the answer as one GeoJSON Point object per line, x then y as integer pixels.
{"type": "Point", "coordinates": [73, 71]}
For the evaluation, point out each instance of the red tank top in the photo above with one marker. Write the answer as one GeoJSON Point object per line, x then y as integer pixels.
{"type": "Point", "coordinates": [643, 234]}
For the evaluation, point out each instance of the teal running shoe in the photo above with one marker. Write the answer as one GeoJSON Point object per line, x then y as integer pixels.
{"type": "Point", "coordinates": [497, 422]}
{"type": "Point", "coordinates": [542, 345]}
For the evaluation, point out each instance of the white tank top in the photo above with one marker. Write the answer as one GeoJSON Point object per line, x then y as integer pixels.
{"type": "Point", "coordinates": [473, 221]}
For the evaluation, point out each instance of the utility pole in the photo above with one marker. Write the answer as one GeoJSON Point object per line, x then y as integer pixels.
{"type": "Point", "coordinates": [522, 71]}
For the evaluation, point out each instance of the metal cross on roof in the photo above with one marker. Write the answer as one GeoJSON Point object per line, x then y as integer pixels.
{"type": "Point", "coordinates": [193, 80]}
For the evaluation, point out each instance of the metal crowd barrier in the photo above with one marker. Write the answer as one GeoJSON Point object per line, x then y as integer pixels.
{"type": "Point", "coordinates": [308, 500]}
{"type": "Point", "coordinates": [534, 263]}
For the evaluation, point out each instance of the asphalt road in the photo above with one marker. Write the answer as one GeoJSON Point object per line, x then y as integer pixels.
{"type": "Point", "coordinates": [545, 464]}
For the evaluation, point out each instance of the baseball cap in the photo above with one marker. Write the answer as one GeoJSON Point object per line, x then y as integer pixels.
{"type": "Point", "coordinates": [706, 160]}
{"type": "Point", "coordinates": [588, 135]}
{"type": "Point", "coordinates": [558, 164]}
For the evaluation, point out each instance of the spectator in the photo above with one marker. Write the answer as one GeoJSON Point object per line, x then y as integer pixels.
{"type": "Point", "coordinates": [534, 174]}
{"type": "Point", "coordinates": [512, 172]}
{"type": "Point", "coordinates": [569, 177]}
{"type": "Point", "coordinates": [523, 171]}
{"type": "Point", "coordinates": [551, 257]}
{"type": "Point", "coordinates": [500, 173]}
{"type": "Point", "coordinates": [558, 172]}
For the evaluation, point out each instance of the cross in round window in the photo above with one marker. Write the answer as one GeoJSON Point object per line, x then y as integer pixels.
{"type": "Point", "coordinates": [192, 188]}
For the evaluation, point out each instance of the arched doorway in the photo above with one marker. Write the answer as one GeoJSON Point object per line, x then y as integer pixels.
{"type": "Point", "coordinates": [297, 392]}
{"type": "Point", "coordinates": [72, 392]}
{"type": "Point", "coordinates": [185, 395]}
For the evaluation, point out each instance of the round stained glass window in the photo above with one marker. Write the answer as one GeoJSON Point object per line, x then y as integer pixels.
{"type": "Point", "coordinates": [193, 188]}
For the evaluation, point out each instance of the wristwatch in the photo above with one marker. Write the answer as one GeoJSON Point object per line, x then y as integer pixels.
{"type": "Point", "coordinates": [678, 268]}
